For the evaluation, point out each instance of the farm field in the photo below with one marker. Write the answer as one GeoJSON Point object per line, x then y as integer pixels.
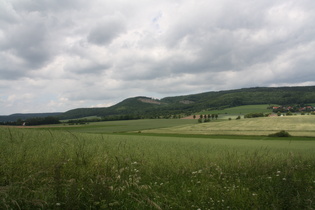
{"type": "Point", "coordinates": [110, 165]}
{"type": "Point", "coordinates": [299, 125]}
{"type": "Point", "coordinates": [240, 110]}
{"type": "Point", "coordinates": [121, 126]}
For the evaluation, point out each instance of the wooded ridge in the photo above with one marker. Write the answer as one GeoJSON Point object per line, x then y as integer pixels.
{"type": "Point", "coordinates": [146, 107]}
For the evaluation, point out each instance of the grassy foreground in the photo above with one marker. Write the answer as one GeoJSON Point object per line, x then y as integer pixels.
{"type": "Point", "coordinates": [44, 169]}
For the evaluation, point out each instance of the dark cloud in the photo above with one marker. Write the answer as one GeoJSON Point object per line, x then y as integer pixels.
{"type": "Point", "coordinates": [106, 30]}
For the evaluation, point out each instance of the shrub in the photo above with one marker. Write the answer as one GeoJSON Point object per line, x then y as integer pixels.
{"type": "Point", "coordinates": [253, 115]}
{"type": "Point", "coordinates": [282, 133]}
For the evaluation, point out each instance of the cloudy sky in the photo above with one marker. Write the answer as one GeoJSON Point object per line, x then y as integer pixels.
{"type": "Point", "coordinates": [60, 55]}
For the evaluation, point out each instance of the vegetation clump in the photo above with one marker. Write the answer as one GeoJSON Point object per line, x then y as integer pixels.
{"type": "Point", "coordinates": [282, 133]}
{"type": "Point", "coordinates": [253, 115]}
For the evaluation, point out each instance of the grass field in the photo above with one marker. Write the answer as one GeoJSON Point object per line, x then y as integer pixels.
{"type": "Point", "coordinates": [88, 167]}
{"type": "Point", "coordinates": [122, 126]}
{"type": "Point", "coordinates": [299, 125]}
{"type": "Point", "coordinates": [239, 110]}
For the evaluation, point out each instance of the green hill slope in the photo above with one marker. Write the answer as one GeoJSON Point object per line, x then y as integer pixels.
{"type": "Point", "coordinates": [146, 107]}
{"type": "Point", "coordinates": [189, 104]}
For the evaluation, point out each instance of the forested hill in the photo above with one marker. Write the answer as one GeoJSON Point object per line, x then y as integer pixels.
{"type": "Point", "coordinates": [145, 107]}
{"type": "Point", "coordinates": [189, 104]}
{"type": "Point", "coordinates": [15, 117]}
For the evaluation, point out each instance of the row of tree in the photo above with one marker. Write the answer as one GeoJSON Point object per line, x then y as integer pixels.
{"type": "Point", "coordinates": [208, 116]}
{"type": "Point", "coordinates": [253, 115]}
{"type": "Point", "coordinates": [34, 121]}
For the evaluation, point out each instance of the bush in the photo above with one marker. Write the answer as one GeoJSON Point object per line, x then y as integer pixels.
{"type": "Point", "coordinates": [207, 120]}
{"type": "Point", "coordinates": [253, 115]}
{"type": "Point", "coordinates": [282, 133]}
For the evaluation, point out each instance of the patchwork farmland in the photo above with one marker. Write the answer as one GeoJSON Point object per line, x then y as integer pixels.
{"type": "Point", "coordinates": [160, 164]}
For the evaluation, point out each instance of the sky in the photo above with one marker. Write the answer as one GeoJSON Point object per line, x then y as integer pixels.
{"type": "Point", "coordinates": [60, 55]}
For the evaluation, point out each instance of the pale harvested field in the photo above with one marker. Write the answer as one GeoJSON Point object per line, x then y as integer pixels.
{"type": "Point", "coordinates": [295, 125]}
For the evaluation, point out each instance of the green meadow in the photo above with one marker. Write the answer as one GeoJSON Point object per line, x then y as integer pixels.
{"type": "Point", "coordinates": [298, 125]}
{"type": "Point", "coordinates": [160, 164]}
{"type": "Point", "coordinates": [239, 110]}
{"type": "Point", "coordinates": [122, 126]}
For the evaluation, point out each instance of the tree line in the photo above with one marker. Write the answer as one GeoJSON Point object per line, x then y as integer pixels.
{"type": "Point", "coordinates": [33, 121]}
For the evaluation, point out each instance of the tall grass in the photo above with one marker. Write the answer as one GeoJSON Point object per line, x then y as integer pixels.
{"type": "Point", "coordinates": [63, 170]}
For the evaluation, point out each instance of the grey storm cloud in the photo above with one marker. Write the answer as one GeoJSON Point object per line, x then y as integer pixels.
{"type": "Point", "coordinates": [92, 51]}
{"type": "Point", "coordinates": [106, 30]}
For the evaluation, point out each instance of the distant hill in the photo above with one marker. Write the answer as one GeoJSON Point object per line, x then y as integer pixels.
{"type": "Point", "coordinates": [188, 104]}
{"type": "Point", "coordinates": [146, 107]}
{"type": "Point", "coordinates": [15, 117]}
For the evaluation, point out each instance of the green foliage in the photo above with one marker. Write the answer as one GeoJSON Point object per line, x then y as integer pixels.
{"type": "Point", "coordinates": [282, 133]}
{"type": "Point", "coordinates": [42, 121]}
{"type": "Point", "coordinates": [207, 120]}
{"type": "Point", "coordinates": [22, 117]}
{"type": "Point", "coordinates": [253, 115]}
{"type": "Point", "coordinates": [35, 121]}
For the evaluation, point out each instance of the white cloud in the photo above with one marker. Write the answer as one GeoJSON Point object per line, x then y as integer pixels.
{"type": "Point", "coordinates": [57, 56]}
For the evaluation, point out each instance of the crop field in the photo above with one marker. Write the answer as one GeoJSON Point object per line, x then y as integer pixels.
{"type": "Point", "coordinates": [240, 110]}
{"type": "Point", "coordinates": [122, 126]}
{"type": "Point", "coordinates": [111, 165]}
{"type": "Point", "coordinates": [299, 125]}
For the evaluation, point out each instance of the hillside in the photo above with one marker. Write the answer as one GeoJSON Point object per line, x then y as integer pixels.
{"type": "Point", "coordinates": [146, 107]}
{"type": "Point", "coordinates": [189, 104]}
{"type": "Point", "coordinates": [15, 117]}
